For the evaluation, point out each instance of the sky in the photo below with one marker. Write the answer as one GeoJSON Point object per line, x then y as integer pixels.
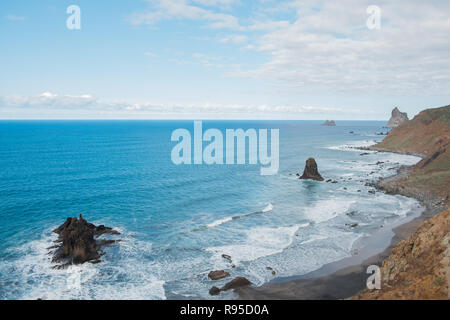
{"type": "Point", "coordinates": [223, 59]}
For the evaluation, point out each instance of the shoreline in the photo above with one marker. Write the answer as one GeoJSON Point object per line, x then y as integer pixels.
{"type": "Point", "coordinates": [346, 277]}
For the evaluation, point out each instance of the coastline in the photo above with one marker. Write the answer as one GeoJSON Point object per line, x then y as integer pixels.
{"type": "Point", "coordinates": [345, 278]}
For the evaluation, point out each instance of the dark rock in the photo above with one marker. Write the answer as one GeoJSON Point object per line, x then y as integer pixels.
{"type": "Point", "coordinates": [227, 257]}
{"type": "Point", "coordinates": [236, 283]}
{"type": "Point", "coordinates": [371, 191]}
{"type": "Point", "coordinates": [330, 123]}
{"type": "Point", "coordinates": [351, 225]}
{"type": "Point", "coordinates": [214, 291]}
{"type": "Point", "coordinates": [311, 172]}
{"type": "Point", "coordinates": [218, 274]}
{"type": "Point", "coordinates": [364, 154]}
{"type": "Point", "coordinates": [77, 242]}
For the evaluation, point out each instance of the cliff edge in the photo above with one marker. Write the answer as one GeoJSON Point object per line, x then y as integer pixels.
{"type": "Point", "coordinates": [428, 135]}
{"type": "Point", "coordinates": [419, 267]}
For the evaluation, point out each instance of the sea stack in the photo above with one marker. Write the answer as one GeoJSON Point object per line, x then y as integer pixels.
{"type": "Point", "coordinates": [311, 172]}
{"type": "Point", "coordinates": [329, 123]}
{"type": "Point", "coordinates": [397, 118]}
{"type": "Point", "coordinates": [77, 242]}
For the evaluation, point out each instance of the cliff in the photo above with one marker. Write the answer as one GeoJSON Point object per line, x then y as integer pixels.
{"type": "Point", "coordinates": [419, 267]}
{"type": "Point", "coordinates": [397, 118]}
{"type": "Point", "coordinates": [428, 134]}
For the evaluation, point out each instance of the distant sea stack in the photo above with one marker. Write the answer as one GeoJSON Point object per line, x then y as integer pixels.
{"type": "Point", "coordinates": [311, 172]}
{"type": "Point", "coordinates": [329, 123]}
{"type": "Point", "coordinates": [397, 118]}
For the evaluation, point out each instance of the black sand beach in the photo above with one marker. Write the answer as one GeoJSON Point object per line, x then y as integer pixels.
{"type": "Point", "coordinates": [344, 278]}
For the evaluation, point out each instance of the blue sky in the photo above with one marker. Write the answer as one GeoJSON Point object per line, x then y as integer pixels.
{"type": "Point", "coordinates": [260, 59]}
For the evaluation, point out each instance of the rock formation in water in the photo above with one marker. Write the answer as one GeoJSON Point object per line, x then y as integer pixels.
{"type": "Point", "coordinates": [330, 123]}
{"type": "Point", "coordinates": [218, 274]}
{"type": "Point", "coordinates": [311, 172]}
{"type": "Point", "coordinates": [78, 243]}
{"type": "Point", "coordinates": [397, 118]}
{"type": "Point", "coordinates": [237, 282]}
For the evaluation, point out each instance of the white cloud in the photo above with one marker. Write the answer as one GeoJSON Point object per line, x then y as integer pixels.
{"type": "Point", "coordinates": [172, 9]}
{"type": "Point", "coordinates": [234, 38]}
{"type": "Point", "coordinates": [13, 17]}
{"type": "Point", "coordinates": [329, 45]}
{"type": "Point", "coordinates": [61, 104]}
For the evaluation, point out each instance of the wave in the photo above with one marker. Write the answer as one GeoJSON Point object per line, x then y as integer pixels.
{"type": "Point", "coordinates": [268, 208]}
{"type": "Point", "coordinates": [354, 145]}
{"type": "Point", "coordinates": [219, 222]}
{"type": "Point", "coordinates": [123, 274]}
{"type": "Point", "coordinates": [325, 210]}
{"type": "Point", "coordinates": [260, 242]}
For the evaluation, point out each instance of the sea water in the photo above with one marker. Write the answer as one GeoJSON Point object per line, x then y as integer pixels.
{"type": "Point", "coordinates": [176, 222]}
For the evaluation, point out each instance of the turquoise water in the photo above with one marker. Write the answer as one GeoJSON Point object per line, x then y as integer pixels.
{"type": "Point", "coordinates": [176, 221]}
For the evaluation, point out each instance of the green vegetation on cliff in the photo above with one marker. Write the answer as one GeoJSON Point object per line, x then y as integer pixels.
{"type": "Point", "coordinates": [427, 134]}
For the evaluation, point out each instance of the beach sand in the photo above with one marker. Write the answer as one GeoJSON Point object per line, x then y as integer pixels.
{"type": "Point", "coordinates": [341, 279]}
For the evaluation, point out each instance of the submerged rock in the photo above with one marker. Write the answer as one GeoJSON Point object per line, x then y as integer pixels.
{"type": "Point", "coordinates": [397, 118]}
{"type": "Point", "coordinates": [77, 243]}
{"type": "Point", "coordinates": [227, 257]}
{"type": "Point", "coordinates": [218, 274]}
{"type": "Point", "coordinates": [311, 172]}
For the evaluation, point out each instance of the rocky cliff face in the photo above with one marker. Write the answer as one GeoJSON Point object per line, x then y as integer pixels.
{"type": "Point", "coordinates": [397, 118]}
{"type": "Point", "coordinates": [419, 267]}
{"type": "Point", "coordinates": [427, 134]}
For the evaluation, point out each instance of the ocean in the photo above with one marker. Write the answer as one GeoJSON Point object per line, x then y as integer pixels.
{"type": "Point", "coordinates": [177, 221]}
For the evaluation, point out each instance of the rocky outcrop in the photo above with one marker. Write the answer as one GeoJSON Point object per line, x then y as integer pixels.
{"type": "Point", "coordinates": [419, 267]}
{"type": "Point", "coordinates": [428, 134]}
{"type": "Point", "coordinates": [397, 118]}
{"type": "Point", "coordinates": [77, 242]}
{"type": "Point", "coordinates": [311, 172]}
{"type": "Point", "coordinates": [330, 123]}
{"type": "Point", "coordinates": [218, 274]}
{"type": "Point", "coordinates": [237, 282]}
